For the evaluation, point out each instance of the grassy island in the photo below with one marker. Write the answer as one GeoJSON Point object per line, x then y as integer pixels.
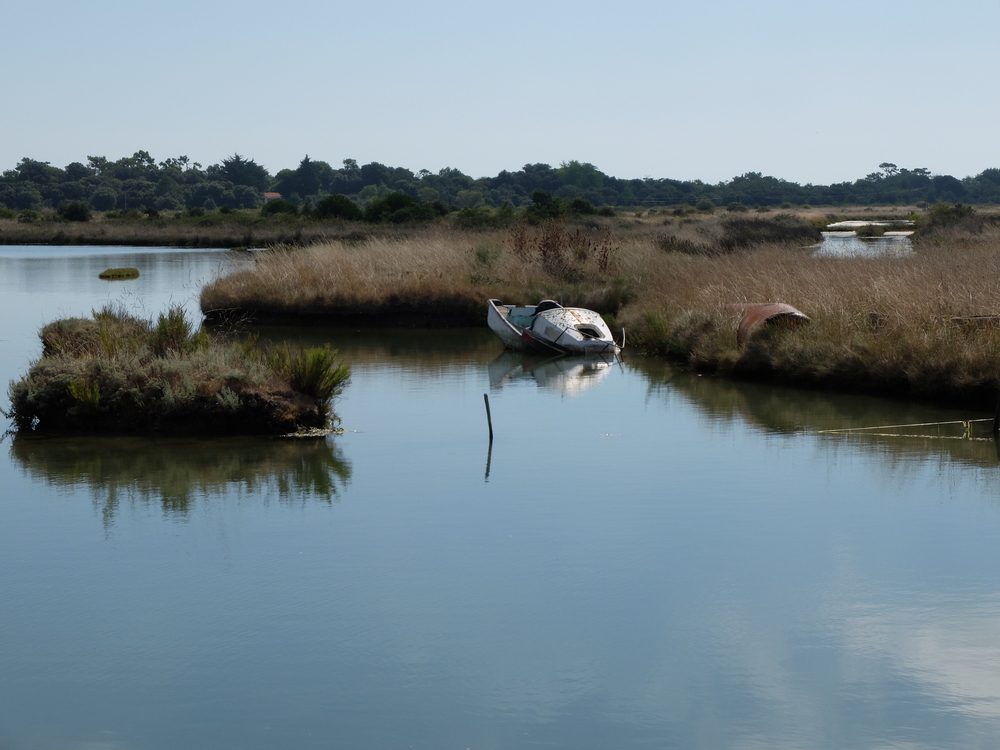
{"type": "Point", "coordinates": [115, 373]}
{"type": "Point", "coordinates": [923, 324]}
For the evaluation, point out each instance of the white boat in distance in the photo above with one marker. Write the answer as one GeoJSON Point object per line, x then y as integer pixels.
{"type": "Point", "coordinates": [550, 327]}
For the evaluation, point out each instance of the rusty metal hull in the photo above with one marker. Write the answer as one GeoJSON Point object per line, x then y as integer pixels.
{"type": "Point", "coordinates": [757, 315]}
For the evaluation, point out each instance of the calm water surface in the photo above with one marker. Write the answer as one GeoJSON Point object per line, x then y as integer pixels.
{"type": "Point", "coordinates": [654, 560]}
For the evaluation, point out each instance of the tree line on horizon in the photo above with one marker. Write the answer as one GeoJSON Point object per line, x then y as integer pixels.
{"type": "Point", "coordinates": [140, 182]}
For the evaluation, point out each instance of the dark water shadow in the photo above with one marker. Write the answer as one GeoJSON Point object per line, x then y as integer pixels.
{"type": "Point", "coordinates": [177, 472]}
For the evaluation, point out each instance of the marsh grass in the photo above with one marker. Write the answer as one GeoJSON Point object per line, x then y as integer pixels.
{"type": "Point", "coordinates": [439, 276]}
{"type": "Point", "coordinates": [235, 229]}
{"type": "Point", "coordinates": [888, 325]}
{"type": "Point", "coordinates": [921, 326]}
{"type": "Point", "coordinates": [115, 372]}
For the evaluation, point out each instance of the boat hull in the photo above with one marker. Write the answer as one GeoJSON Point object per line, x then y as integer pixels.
{"type": "Point", "coordinates": [555, 330]}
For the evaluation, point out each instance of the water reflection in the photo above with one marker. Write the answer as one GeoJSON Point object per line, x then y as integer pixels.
{"type": "Point", "coordinates": [428, 351]}
{"type": "Point", "coordinates": [568, 375]}
{"type": "Point", "coordinates": [175, 472]}
{"type": "Point", "coordinates": [903, 429]}
{"type": "Point", "coordinates": [849, 245]}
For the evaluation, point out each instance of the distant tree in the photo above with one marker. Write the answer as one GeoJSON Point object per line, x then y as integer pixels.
{"type": "Point", "coordinates": [582, 175]}
{"type": "Point", "coordinates": [307, 177]}
{"type": "Point", "coordinates": [544, 206]}
{"type": "Point", "coordinates": [104, 199]}
{"type": "Point", "coordinates": [240, 171]}
{"type": "Point", "coordinates": [947, 188]}
{"type": "Point", "coordinates": [38, 172]}
{"type": "Point", "coordinates": [888, 168]}
{"type": "Point", "coordinates": [245, 196]}
{"type": "Point", "coordinates": [78, 171]}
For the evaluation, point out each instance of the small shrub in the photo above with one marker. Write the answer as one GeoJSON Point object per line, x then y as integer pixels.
{"type": "Point", "coordinates": [7, 213]}
{"type": "Point", "coordinates": [195, 211]}
{"type": "Point", "coordinates": [174, 333]}
{"type": "Point", "coordinates": [29, 216]}
{"type": "Point", "coordinates": [737, 208]}
{"type": "Point", "coordinates": [279, 206]}
{"type": "Point", "coordinates": [338, 207]}
{"type": "Point", "coordinates": [487, 253]}
{"type": "Point", "coordinates": [705, 206]}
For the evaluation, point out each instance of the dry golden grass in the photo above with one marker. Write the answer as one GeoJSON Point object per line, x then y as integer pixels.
{"type": "Point", "coordinates": [439, 272]}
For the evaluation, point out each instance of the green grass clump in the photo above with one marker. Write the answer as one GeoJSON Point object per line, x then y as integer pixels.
{"type": "Point", "coordinates": [118, 373]}
{"type": "Point", "coordinates": [316, 372]}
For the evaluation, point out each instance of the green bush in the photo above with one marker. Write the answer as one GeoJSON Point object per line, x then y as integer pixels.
{"type": "Point", "coordinates": [7, 213]}
{"type": "Point", "coordinates": [582, 206]}
{"type": "Point", "coordinates": [544, 206]}
{"type": "Point", "coordinates": [338, 207]}
{"type": "Point", "coordinates": [74, 211]}
{"type": "Point", "coordinates": [398, 208]}
{"type": "Point", "coordinates": [316, 372]}
{"type": "Point", "coordinates": [174, 333]}
{"type": "Point", "coordinates": [29, 216]}
{"type": "Point", "coordinates": [279, 206]}
{"type": "Point", "coordinates": [737, 208]}
{"type": "Point", "coordinates": [705, 205]}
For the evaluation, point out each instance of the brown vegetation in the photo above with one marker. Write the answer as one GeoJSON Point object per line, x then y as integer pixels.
{"type": "Point", "coordinates": [917, 326]}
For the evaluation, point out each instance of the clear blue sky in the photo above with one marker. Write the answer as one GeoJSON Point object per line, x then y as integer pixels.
{"type": "Point", "coordinates": [810, 92]}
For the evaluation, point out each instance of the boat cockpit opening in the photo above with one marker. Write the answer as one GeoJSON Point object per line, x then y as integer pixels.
{"type": "Point", "coordinates": [589, 332]}
{"type": "Point", "coordinates": [547, 304]}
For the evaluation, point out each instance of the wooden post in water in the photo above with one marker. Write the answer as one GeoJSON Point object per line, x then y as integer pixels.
{"type": "Point", "coordinates": [489, 419]}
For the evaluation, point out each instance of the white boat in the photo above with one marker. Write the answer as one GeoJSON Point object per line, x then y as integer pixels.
{"type": "Point", "coordinates": [550, 327]}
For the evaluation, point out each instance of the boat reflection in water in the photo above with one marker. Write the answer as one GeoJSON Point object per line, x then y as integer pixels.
{"type": "Point", "coordinates": [570, 375]}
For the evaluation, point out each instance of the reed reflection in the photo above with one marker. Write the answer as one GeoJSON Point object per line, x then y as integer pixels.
{"type": "Point", "coordinates": [175, 472]}
{"type": "Point", "coordinates": [899, 429]}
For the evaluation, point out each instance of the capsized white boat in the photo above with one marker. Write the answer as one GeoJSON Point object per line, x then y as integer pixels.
{"type": "Point", "coordinates": [550, 327]}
